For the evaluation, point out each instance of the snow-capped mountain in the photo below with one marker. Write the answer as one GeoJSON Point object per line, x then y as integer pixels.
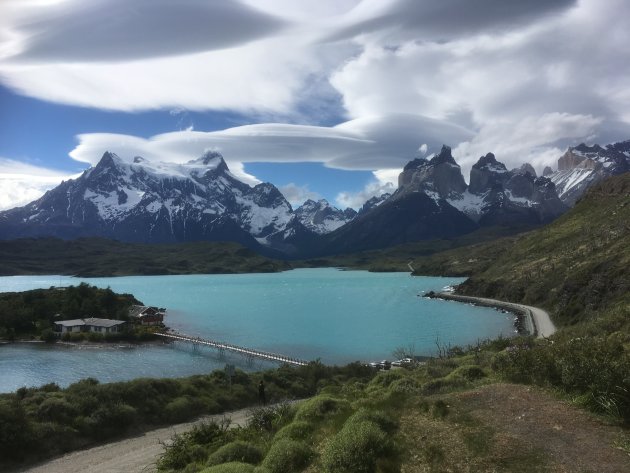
{"type": "Point", "coordinates": [321, 217]}
{"type": "Point", "coordinates": [146, 201]}
{"type": "Point", "coordinates": [582, 166]}
{"type": "Point", "coordinates": [434, 201]}
{"type": "Point", "coordinates": [494, 195]}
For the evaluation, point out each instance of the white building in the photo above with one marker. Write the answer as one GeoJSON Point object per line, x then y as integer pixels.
{"type": "Point", "coordinates": [91, 324]}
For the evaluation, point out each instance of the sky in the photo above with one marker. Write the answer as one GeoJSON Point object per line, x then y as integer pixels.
{"type": "Point", "coordinates": [323, 98]}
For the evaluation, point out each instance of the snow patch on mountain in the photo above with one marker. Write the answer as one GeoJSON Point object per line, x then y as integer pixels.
{"type": "Point", "coordinates": [321, 217]}
{"type": "Point", "coordinates": [470, 204]}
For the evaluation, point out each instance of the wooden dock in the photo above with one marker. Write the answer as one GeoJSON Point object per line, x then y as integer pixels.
{"type": "Point", "coordinates": [248, 352]}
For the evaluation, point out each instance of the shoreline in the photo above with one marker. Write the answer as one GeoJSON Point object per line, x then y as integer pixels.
{"type": "Point", "coordinates": [88, 345]}
{"type": "Point", "coordinates": [533, 320]}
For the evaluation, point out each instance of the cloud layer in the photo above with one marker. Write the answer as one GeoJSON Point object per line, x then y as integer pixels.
{"type": "Point", "coordinates": [22, 183]}
{"type": "Point", "coordinates": [388, 141]}
{"type": "Point", "coordinates": [521, 79]}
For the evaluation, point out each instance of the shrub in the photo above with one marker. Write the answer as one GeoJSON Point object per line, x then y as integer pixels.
{"type": "Point", "coordinates": [237, 451]}
{"type": "Point", "coordinates": [95, 337]}
{"type": "Point", "coordinates": [16, 434]}
{"type": "Point", "coordinates": [440, 409]}
{"type": "Point", "coordinates": [287, 455]}
{"type": "Point", "coordinates": [232, 467]}
{"type": "Point", "coordinates": [469, 372]}
{"type": "Point", "coordinates": [270, 418]}
{"type": "Point", "coordinates": [405, 385]}
{"type": "Point", "coordinates": [112, 419]}
{"type": "Point", "coordinates": [320, 408]}
{"type": "Point", "coordinates": [187, 447]}
{"type": "Point", "coordinates": [385, 378]}
{"type": "Point", "coordinates": [380, 418]}
{"type": "Point", "coordinates": [298, 430]}
{"type": "Point", "coordinates": [355, 448]}
{"type": "Point", "coordinates": [183, 408]}
{"type": "Point", "coordinates": [56, 410]}
{"type": "Point", "coordinates": [48, 336]}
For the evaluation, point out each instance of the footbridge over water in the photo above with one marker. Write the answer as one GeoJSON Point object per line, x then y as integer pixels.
{"type": "Point", "coordinates": [248, 352]}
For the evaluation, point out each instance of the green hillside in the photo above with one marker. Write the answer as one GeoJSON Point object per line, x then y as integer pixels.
{"type": "Point", "coordinates": [91, 257]}
{"type": "Point", "coordinates": [574, 267]}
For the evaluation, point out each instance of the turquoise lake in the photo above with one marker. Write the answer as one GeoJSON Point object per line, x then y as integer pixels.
{"type": "Point", "coordinates": [336, 316]}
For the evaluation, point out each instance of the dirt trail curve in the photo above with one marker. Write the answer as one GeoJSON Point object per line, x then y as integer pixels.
{"type": "Point", "coordinates": [542, 324]}
{"type": "Point", "coordinates": [131, 455]}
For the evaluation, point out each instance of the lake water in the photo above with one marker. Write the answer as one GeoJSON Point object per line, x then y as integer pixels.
{"type": "Point", "coordinates": [337, 316]}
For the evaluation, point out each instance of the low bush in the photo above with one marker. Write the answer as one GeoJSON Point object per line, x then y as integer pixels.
{"type": "Point", "coordinates": [355, 448]}
{"type": "Point", "coordinates": [469, 372]}
{"type": "Point", "coordinates": [297, 430]}
{"type": "Point", "coordinates": [385, 378]}
{"type": "Point", "coordinates": [384, 421]}
{"type": "Point", "coordinates": [183, 408]}
{"type": "Point", "coordinates": [287, 455]}
{"type": "Point", "coordinates": [270, 418]}
{"type": "Point", "coordinates": [232, 467]}
{"type": "Point", "coordinates": [191, 446]}
{"type": "Point", "coordinates": [320, 408]}
{"type": "Point", "coordinates": [237, 451]}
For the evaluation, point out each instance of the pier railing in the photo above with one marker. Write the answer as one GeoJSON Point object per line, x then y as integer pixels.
{"type": "Point", "coordinates": [248, 352]}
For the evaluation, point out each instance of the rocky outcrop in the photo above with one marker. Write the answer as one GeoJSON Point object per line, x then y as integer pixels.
{"type": "Point", "coordinates": [440, 176]}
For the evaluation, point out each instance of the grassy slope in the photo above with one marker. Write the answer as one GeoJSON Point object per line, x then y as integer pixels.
{"type": "Point", "coordinates": [575, 267]}
{"type": "Point", "coordinates": [397, 257]}
{"type": "Point", "coordinates": [99, 257]}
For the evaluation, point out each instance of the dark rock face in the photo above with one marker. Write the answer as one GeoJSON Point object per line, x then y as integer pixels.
{"type": "Point", "coordinates": [486, 174]}
{"type": "Point", "coordinates": [412, 217]}
{"type": "Point", "coordinates": [373, 203]}
{"type": "Point", "coordinates": [440, 175]}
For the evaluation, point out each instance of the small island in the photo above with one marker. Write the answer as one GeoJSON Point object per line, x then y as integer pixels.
{"type": "Point", "coordinates": [76, 314]}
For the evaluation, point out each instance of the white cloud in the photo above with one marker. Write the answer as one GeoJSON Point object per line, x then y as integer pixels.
{"type": "Point", "coordinates": [297, 195]}
{"type": "Point", "coordinates": [527, 90]}
{"type": "Point", "coordinates": [372, 189]}
{"type": "Point", "coordinates": [115, 30]}
{"type": "Point", "coordinates": [379, 142]}
{"type": "Point", "coordinates": [22, 183]}
{"type": "Point", "coordinates": [533, 139]}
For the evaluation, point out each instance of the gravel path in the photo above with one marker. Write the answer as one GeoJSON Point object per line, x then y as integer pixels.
{"type": "Point", "coordinates": [131, 455]}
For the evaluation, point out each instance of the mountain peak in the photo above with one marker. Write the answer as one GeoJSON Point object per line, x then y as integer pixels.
{"type": "Point", "coordinates": [526, 168]}
{"type": "Point", "coordinates": [109, 159]}
{"type": "Point", "coordinates": [211, 156]}
{"type": "Point", "coordinates": [445, 156]}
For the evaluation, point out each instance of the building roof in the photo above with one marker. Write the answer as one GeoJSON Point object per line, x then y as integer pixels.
{"type": "Point", "coordinates": [141, 311]}
{"type": "Point", "coordinates": [90, 321]}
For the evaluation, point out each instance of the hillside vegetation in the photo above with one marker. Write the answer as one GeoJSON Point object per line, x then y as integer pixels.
{"type": "Point", "coordinates": [33, 313]}
{"type": "Point", "coordinates": [575, 267]}
{"type": "Point", "coordinates": [92, 257]}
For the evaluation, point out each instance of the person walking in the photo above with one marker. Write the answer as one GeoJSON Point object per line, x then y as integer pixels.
{"type": "Point", "coordinates": [261, 393]}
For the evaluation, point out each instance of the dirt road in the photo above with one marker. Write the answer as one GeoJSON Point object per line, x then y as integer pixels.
{"type": "Point", "coordinates": [131, 455]}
